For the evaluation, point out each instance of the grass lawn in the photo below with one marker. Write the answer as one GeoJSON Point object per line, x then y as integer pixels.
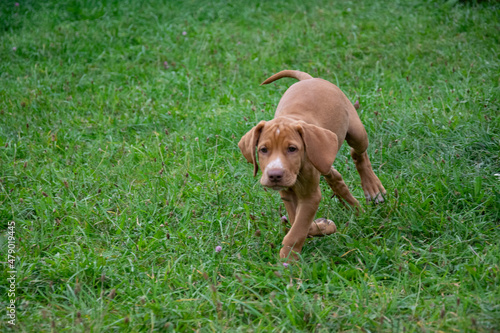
{"type": "Point", "coordinates": [120, 172]}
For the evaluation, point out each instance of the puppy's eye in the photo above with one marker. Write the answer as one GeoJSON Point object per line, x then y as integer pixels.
{"type": "Point", "coordinates": [263, 150]}
{"type": "Point", "coordinates": [292, 149]}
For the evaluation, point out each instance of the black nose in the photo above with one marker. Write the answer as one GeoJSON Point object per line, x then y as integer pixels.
{"type": "Point", "coordinates": [275, 175]}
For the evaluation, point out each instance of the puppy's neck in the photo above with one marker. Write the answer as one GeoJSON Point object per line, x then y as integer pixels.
{"type": "Point", "coordinates": [307, 180]}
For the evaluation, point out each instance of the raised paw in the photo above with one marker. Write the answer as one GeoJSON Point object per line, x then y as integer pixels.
{"type": "Point", "coordinates": [321, 227]}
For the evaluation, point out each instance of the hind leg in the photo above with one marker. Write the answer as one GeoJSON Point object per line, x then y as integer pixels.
{"type": "Point", "coordinates": [372, 187]}
{"type": "Point", "coordinates": [338, 186]}
{"type": "Point", "coordinates": [358, 140]}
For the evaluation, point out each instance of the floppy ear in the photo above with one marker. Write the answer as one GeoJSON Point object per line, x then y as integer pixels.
{"type": "Point", "coordinates": [321, 145]}
{"type": "Point", "coordinates": [248, 143]}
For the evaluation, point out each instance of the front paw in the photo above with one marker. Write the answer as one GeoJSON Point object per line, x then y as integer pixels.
{"type": "Point", "coordinates": [288, 253]}
{"type": "Point", "coordinates": [322, 227]}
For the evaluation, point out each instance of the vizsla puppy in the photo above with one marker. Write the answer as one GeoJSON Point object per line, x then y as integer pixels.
{"type": "Point", "coordinates": [310, 124]}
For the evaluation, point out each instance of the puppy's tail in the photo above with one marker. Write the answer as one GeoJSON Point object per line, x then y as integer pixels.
{"type": "Point", "coordinates": [288, 73]}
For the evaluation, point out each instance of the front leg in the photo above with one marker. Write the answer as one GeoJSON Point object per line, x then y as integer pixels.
{"type": "Point", "coordinates": [290, 201]}
{"type": "Point", "coordinates": [320, 227]}
{"type": "Point", "coordinates": [304, 214]}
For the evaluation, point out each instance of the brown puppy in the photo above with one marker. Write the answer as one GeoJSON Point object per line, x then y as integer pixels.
{"type": "Point", "coordinates": [310, 124]}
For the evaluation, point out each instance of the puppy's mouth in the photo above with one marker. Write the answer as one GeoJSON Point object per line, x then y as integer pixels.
{"type": "Point", "coordinates": [278, 188]}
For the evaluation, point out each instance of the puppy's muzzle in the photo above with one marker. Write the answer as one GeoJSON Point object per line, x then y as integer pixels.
{"type": "Point", "coordinates": [275, 175]}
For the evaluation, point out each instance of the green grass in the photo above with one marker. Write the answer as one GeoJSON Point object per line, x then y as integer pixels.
{"type": "Point", "coordinates": [119, 123]}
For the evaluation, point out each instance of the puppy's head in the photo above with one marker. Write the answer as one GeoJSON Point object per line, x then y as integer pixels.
{"type": "Point", "coordinates": [283, 146]}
